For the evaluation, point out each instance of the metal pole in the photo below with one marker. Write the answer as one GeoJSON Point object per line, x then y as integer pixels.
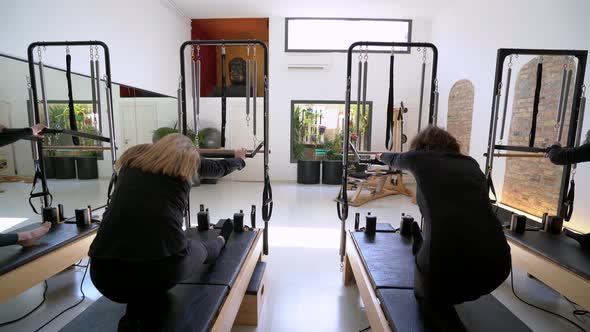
{"type": "Point", "coordinates": [98, 102]}
{"type": "Point", "coordinates": [565, 101]}
{"type": "Point", "coordinates": [193, 89]}
{"type": "Point", "coordinates": [505, 112]}
{"type": "Point", "coordinates": [248, 87]}
{"type": "Point", "coordinates": [255, 92]}
{"type": "Point", "coordinates": [421, 96]}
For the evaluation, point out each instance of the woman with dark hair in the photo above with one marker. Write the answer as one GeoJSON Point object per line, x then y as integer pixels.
{"type": "Point", "coordinates": [567, 156]}
{"type": "Point", "coordinates": [462, 253]}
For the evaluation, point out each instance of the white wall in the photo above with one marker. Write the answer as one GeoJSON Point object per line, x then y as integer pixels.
{"type": "Point", "coordinates": [468, 34]}
{"type": "Point", "coordinates": [144, 36]}
{"type": "Point", "coordinates": [330, 84]}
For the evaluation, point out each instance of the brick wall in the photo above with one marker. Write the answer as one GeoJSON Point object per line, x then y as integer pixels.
{"type": "Point", "coordinates": [460, 113]}
{"type": "Point", "coordinates": [532, 184]}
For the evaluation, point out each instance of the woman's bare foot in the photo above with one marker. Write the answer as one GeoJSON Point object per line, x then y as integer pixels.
{"type": "Point", "coordinates": [28, 238]}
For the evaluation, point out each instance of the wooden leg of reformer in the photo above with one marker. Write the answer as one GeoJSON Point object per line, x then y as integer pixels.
{"type": "Point", "coordinates": [382, 181]}
{"type": "Point", "coordinates": [347, 274]}
{"type": "Point", "coordinates": [359, 190]}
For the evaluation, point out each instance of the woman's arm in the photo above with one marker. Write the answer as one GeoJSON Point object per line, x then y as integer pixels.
{"type": "Point", "coordinates": [566, 156]}
{"type": "Point", "coordinates": [217, 168]}
{"type": "Point", "coordinates": [404, 160]}
{"type": "Point", "coordinates": [9, 136]}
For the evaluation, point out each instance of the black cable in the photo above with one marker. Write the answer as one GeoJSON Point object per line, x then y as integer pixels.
{"type": "Point", "coordinates": [577, 312]}
{"type": "Point", "coordinates": [72, 306]}
{"type": "Point", "coordinates": [537, 307]}
{"type": "Point", "coordinates": [365, 329]}
{"type": "Point", "coordinates": [30, 312]}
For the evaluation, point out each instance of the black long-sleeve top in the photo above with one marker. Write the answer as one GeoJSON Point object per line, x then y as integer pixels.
{"type": "Point", "coordinates": [217, 168]}
{"type": "Point", "coordinates": [144, 219]}
{"type": "Point", "coordinates": [566, 156]}
{"type": "Point", "coordinates": [9, 136]}
{"type": "Point", "coordinates": [464, 243]}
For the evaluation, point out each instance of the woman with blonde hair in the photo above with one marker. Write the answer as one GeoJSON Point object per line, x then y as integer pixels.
{"type": "Point", "coordinates": [140, 250]}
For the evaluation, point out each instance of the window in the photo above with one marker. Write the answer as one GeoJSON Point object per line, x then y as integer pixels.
{"type": "Point", "coordinates": [336, 34]}
{"type": "Point", "coordinates": [316, 128]}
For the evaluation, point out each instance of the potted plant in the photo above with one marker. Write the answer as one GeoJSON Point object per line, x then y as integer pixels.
{"type": "Point", "coordinates": [87, 165]}
{"type": "Point", "coordinates": [163, 131]}
{"type": "Point", "coordinates": [308, 168]}
{"type": "Point", "coordinates": [332, 163]}
{"type": "Point", "coordinates": [49, 164]}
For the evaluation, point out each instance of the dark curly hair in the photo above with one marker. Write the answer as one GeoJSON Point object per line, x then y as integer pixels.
{"type": "Point", "coordinates": [435, 139]}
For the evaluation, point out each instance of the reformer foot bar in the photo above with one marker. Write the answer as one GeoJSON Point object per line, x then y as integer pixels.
{"type": "Point", "coordinates": [208, 300]}
{"type": "Point", "coordinates": [342, 200]}
{"type": "Point", "coordinates": [44, 194]}
{"type": "Point", "coordinates": [267, 201]}
{"type": "Point", "coordinates": [386, 288]}
{"type": "Point", "coordinates": [574, 122]}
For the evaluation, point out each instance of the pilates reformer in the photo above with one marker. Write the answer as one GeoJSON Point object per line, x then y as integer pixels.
{"type": "Point", "coordinates": [38, 146]}
{"type": "Point", "coordinates": [194, 45]}
{"type": "Point", "coordinates": [554, 259]}
{"type": "Point", "coordinates": [342, 201]}
{"type": "Point", "coordinates": [64, 244]}
{"type": "Point", "coordinates": [376, 182]}
{"type": "Point", "coordinates": [386, 287]}
{"type": "Point", "coordinates": [567, 186]}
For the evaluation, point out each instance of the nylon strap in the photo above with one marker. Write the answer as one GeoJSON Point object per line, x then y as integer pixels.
{"type": "Point", "coordinates": [73, 124]}
{"type": "Point", "coordinates": [223, 97]}
{"type": "Point", "coordinates": [390, 103]}
{"type": "Point", "coordinates": [536, 104]}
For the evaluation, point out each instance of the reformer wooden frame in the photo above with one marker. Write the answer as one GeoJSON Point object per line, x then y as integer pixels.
{"type": "Point", "coordinates": [354, 271]}
{"type": "Point", "coordinates": [342, 200]}
{"type": "Point", "coordinates": [35, 107]}
{"type": "Point", "coordinates": [502, 54]}
{"type": "Point", "coordinates": [267, 202]}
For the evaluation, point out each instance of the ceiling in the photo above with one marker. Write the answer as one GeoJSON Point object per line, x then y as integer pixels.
{"type": "Point", "coordinates": [311, 8]}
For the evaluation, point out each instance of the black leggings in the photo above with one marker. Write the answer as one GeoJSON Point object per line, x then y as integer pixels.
{"type": "Point", "coordinates": [437, 302]}
{"type": "Point", "coordinates": [8, 239]}
{"type": "Point", "coordinates": [137, 282]}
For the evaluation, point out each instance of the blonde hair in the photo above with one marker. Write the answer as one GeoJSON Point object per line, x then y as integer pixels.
{"type": "Point", "coordinates": [174, 155]}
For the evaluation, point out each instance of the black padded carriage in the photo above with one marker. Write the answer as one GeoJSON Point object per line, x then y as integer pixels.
{"type": "Point", "coordinates": [388, 259]}
{"type": "Point", "coordinates": [193, 304]}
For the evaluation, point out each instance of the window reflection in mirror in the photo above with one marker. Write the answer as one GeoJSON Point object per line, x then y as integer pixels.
{"type": "Point", "coordinates": [76, 177]}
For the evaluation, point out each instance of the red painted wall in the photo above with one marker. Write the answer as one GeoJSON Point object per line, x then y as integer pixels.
{"type": "Point", "coordinates": [224, 28]}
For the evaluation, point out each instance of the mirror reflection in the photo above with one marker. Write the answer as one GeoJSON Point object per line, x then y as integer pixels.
{"type": "Point", "coordinates": [84, 169]}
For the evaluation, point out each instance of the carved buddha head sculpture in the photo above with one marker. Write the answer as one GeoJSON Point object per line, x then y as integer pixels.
{"type": "Point", "coordinates": [237, 71]}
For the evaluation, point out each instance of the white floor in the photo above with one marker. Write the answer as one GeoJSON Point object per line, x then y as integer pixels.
{"type": "Point", "coordinates": [305, 291]}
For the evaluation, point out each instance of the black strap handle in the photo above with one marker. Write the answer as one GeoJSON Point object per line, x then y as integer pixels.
{"type": "Point", "coordinates": [32, 194]}
{"type": "Point", "coordinates": [569, 201]}
{"type": "Point", "coordinates": [72, 111]}
{"type": "Point", "coordinates": [390, 105]}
